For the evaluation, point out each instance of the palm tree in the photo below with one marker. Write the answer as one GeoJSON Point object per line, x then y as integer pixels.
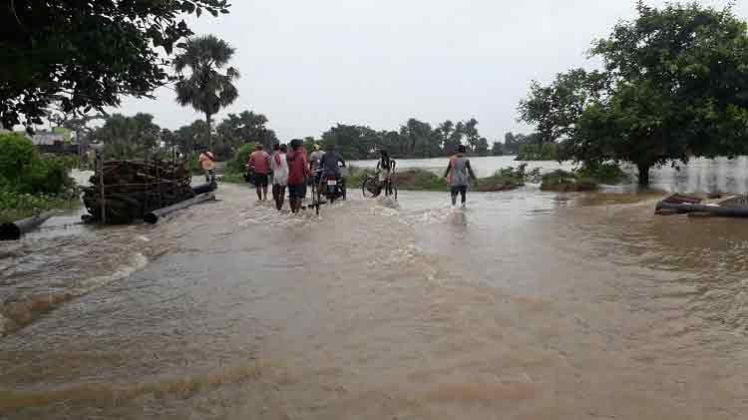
{"type": "Point", "coordinates": [206, 89]}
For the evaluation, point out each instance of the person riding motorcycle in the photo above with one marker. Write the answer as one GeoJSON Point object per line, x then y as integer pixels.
{"type": "Point", "coordinates": [329, 162]}
{"type": "Point", "coordinates": [330, 165]}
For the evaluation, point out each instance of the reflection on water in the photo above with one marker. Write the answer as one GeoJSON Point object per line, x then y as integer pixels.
{"type": "Point", "coordinates": [524, 305]}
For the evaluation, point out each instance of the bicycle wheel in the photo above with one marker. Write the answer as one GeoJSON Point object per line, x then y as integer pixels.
{"type": "Point", "coordinates": [371, 188]}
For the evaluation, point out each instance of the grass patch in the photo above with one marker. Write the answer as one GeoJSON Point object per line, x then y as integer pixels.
{"type": "Point", "coordinates": [425, 180]}
{"type": "Point", "coordinates": [15, 206]}
{"type": "Point", "coordinates": [420, 180]}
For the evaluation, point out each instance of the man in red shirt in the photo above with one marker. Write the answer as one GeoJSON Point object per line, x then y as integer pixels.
{"type": "Point", "coordinates": [259, 165]}
{"type": "Point", "coordinates": [298, 170]}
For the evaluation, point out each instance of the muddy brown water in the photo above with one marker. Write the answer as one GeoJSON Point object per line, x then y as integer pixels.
{"type": "Point", "coordinates": [525, 305]}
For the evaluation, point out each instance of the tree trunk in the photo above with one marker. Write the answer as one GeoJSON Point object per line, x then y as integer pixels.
{"type": "Point", "coordinates": [643, 174]}
{"type": "Point", "coordinates": [210, 137]}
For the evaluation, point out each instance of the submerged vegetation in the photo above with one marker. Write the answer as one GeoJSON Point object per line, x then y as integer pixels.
{"type": "Point", "coordinates": [586, 178]}
{"type": "Point", "coordinates": [426, 180]}
{"type": "Point", "coordinates": [565, 181]}
{"type": "Point", "coordinates": [507, 179]}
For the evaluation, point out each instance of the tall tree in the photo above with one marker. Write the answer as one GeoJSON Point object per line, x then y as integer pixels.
{"type": "Point", "coordinates": [189, 137]}
{"type": "Point", "coordinates": [247, 127]}
{"type": "Point", "coordinates": [470, 131]}
{"type": "Point", "coordinates": [353, 141]}
{"type": "Point", "coordinates": [675, 85]}
{"type": "Point", "coordinates": [86, 54]}
{"type": "Point", "coordinates": [497, 149]}
{"type": "Point", "coordinates": [206, 89]}
{"type": "Point", "coordinates": [481, 147]}
{"type": "Point", "coordinates": [420, 138]}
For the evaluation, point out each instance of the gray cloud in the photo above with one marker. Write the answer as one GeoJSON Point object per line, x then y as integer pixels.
{"type": "Point", "coordinates": [309, 65]}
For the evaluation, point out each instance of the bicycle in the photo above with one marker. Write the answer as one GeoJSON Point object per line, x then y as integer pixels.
{"type": "Point", "coordinates": [372, 186]}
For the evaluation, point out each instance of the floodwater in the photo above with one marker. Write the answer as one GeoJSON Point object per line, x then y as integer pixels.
{"type": "Point", "coordinates": [525, 305]}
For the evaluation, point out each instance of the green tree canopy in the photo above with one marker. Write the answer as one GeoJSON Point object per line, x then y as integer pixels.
{"type": "Point", "coordinates": [353, 141]}
{"type": "Point", "coordinates": [86, 54]}
{"type": "Point", "coordinates": [236, 130]}
{"type": "Point", "coordinates": [189, 138]}
{"type": "Point", "coordinates": [674, 86]}
{"type": "Point", "coordinates": [129, 137]}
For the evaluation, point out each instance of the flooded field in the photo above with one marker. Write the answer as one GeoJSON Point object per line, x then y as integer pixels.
{"type": "Point", "coordinates": [525, 305]}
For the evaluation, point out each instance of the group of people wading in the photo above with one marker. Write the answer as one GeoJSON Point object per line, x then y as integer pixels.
{"type": "Point", "coordinates": [293, 169]}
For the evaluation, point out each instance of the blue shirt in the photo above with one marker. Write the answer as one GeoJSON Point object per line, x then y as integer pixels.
{"type": "Point", "coordinates": [330, 163]}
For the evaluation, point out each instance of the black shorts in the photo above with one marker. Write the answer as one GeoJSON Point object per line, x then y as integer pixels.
{"type": "Point", "coordinates": [261, 180]}
{"type": "Point", "coordinates": [297, 191]}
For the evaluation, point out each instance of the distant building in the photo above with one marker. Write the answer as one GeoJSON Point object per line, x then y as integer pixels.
{"type": "Point", "coordinates": [45, 138]}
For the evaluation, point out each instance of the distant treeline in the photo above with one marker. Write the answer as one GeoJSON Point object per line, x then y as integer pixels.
{"type": "Point", "coordinates": [139, 135]}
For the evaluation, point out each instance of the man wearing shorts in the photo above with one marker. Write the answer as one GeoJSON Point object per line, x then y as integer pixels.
{"type": "Point", "coordinates": [457, 174]}
{"type": "Point", "coordinates": [298, 170]}
{"type": "Point", "coordinates": [259, 164]}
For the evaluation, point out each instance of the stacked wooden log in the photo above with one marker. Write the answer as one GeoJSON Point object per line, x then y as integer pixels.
{"type": "Point", "coordinates": [133, 188]}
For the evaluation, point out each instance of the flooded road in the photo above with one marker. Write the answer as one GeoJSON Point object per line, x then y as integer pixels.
{"type": "Point", "coordinates": [526, 305]}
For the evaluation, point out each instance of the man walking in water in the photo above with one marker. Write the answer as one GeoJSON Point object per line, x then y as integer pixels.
{"type": "Point", "coordinates": [457, 174]}
{"type": "Point", "coordinates": [298, 170]}
{"type": "Point", "coordinates": [208, 163]}
{"type": "Point", "coordinates": [259, 164]}
{"type": "Point", "coordinates": [279, 165]}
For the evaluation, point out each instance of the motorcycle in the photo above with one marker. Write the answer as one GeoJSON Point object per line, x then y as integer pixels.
{"type": "Point", "coordinates": [332, 187]}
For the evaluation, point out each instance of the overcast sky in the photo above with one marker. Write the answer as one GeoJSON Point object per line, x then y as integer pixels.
{"type": "Point", "coordinates": [308, 65]}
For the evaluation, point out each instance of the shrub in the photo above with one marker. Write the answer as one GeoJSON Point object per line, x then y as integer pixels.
{"type": "Point", "coordinates": [15, 206]}
{"type": "Point", "coordinates": [17, 153]}
{"type": "Point", "coordinates": [507, 179]}
{"type": "Point", "coordinates": [562, 181]}
{"type": "Point", "coordinates": [25, 171]}
{"type": "Point", "coordinates": [238, 164]}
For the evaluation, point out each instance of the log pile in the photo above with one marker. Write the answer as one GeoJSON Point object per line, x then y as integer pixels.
{"type": "Point", "coordinates": [134, 188]}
